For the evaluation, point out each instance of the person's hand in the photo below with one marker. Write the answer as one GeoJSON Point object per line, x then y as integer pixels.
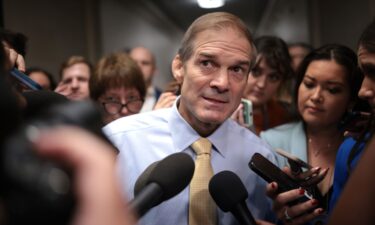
{"type": "Point", "coordinates": [15, 59]}
{"type": "Point", "coordinates": [93, 163]}
{"type": "Point", "coordinates": [173, 86]}
{"type": "Point", "coordinates": [307, 178]}
{"type": "Point", "coordinates": [165, 100]}
{"type": "Point", "coordinates": [63, 89]}
{"type": "Point", "coordinates": [299, 213]}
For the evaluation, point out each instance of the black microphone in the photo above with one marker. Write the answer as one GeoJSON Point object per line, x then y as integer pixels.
{"type": "Point", "coordinates": [143, 179]}
{"type": "Point", "coordinates": [229, 193]}
{"type": "Point", "coordinates": [162, 181]}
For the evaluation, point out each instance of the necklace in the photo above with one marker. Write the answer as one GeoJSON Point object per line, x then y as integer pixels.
{"type": "Point", "coordinates": [317, 147]}
{"type": "Point", "coordinates": [316, 150]}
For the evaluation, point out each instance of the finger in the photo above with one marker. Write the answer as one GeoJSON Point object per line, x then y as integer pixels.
{"type": "Point", "coordinates": [302, 208]}
{"type": "Point", "coordinates": [315, 179]}
{"type": "Point", "coordinates": [309, 173]}
{"type": "Point", "coordinates": [283, 199]}
{"type": "Point", "coordinates": [235, 114]}
{"type": "Point", "coordinates": [271, 190]}
{"type": "Point", "coordinates": [20, 63]}
{"type": "Point", "coordinates": [305, 218]}
{"type": "Point", "coordinates": [63, 89]}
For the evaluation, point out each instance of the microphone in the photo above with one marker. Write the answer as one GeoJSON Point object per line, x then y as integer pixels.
{"type": "Point", "coordinates": [161, 181]}
{"type": "Point", "coordinates": [143, 179]}
{"type": "Point", "coordinates": [229, 193]}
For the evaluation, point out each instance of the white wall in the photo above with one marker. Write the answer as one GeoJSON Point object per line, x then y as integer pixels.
{"type": "Point", "coordinates": [287, 19]}
{"type": "Point", "coordinates": [125, 24]}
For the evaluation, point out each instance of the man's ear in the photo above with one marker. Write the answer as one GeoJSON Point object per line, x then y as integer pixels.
{"type": "Point", "coordinates": [178, 69]}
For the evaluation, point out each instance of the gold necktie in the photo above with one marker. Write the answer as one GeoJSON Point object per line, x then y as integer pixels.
{"type": "Point", "coordinates": [202, 209]}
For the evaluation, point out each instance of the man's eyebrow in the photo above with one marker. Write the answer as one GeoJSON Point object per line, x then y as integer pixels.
{"type": "Point", "coordinates": [207, 55]}
{"type": "Point", "coordinates": [368, 68]}
{"type": "Point", "coordinates": [211, 56]}
{"type": "Point", "coordinates": [243, 62]}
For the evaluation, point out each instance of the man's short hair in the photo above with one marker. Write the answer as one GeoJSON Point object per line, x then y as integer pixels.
{"type": "Point", "coordinates": [213, 21]}
{"type": "Point", "coordinates": [72, 60]}
{"type": "Point", "coordinates": [367, 39]}
{"type": "Point", "coordinates": [115, 71]}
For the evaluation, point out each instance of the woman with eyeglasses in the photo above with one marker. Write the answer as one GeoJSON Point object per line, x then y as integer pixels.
{"type": "Point", "coordinates": [118, 86]}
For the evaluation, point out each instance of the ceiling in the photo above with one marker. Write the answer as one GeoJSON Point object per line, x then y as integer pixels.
{"type": "Point", "coordinates": [183, 12]}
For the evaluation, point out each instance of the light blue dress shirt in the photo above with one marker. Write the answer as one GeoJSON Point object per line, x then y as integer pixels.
{"type": "Point", "coordinates": [145, 138]}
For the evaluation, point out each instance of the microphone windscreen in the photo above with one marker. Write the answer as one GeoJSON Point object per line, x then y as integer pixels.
{"type": "Point", "coordinates": [227, 190]}
{"type": "Point", "coordinates": [144, 178]}
{"type": "Point", "coordinates": [173, 174]}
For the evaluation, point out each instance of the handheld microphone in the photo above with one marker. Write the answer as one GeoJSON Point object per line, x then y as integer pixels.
{"type": "Point", "coordinates": [229, 193]}
{"type": "Point", "coordinates": [162, 181]}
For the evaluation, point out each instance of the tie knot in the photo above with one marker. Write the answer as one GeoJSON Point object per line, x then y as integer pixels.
{"type": "Point", "coordinates": [202, 146]}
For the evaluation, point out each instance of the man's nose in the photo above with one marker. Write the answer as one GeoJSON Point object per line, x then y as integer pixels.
{"type": "Point", "coordinates": [221, 80]}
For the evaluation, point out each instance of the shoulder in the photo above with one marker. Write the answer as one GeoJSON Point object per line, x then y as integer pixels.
{"type": "Point", "coordinates": [281, 131]}
{"type": "Point", "coordinates": [242, 136]}
{"type": "Point", "coordinates": [137, 122]}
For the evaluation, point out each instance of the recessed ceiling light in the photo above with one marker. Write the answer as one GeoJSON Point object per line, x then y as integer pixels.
{"type": "Point", "coordinates": [209, 4]}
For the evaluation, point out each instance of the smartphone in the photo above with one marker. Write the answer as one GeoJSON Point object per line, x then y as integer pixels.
{"type": "Point", "coordinates": [296, 164]}
{"type": "Point", "coordinates": [272, 173]}
{"type": "Point", "coordinates": [247, 112]}
{"type": "Point", "coordinates": [25, 80]}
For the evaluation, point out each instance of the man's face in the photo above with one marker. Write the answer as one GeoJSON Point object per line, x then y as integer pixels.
{"type": "Point", "coordinates": [213, 79]}
{"type": "Point", "coordinates": [145, 61]}
{"type": "Point", "coordinates": [367, 64]}
{"type": "Point", "coordinates": [76, 79]}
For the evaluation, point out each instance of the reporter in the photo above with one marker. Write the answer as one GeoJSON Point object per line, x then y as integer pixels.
{"type": "Point", "coordinates": [327, 85]}
{"type": "Point", "coordinates": [352, 149]}
{"type": "Point", "coordinates": [117, 85]}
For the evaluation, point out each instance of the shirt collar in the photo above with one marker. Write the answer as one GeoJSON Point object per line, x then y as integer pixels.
{"type": "Point", "coordinates": [150, 91]}
{"type": "Point", "coordinates": [183, 135]}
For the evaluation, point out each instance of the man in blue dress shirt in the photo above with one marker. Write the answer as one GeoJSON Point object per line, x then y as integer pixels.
{"type": "Point", "coordinates": [212, 64]}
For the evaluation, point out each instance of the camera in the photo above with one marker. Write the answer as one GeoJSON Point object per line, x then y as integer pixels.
{"type": "Point", "coordinates": [35, 190]}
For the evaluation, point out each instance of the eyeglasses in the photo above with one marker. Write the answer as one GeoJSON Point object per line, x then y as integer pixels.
{"type": "Point", "coordinates": [113, 108]}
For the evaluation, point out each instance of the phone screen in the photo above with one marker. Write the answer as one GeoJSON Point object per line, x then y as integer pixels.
{"type": "Point", "coordinates": [247, 112]}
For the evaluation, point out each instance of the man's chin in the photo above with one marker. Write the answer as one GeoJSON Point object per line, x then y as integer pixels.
{"type": "Point", "coordinates": [212, 119]}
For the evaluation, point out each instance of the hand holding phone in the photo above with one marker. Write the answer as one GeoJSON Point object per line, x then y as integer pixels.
{"type": "Point", "coordinates": [271, 173]}
{"type": "Point", "coordinates": [304, 172]}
